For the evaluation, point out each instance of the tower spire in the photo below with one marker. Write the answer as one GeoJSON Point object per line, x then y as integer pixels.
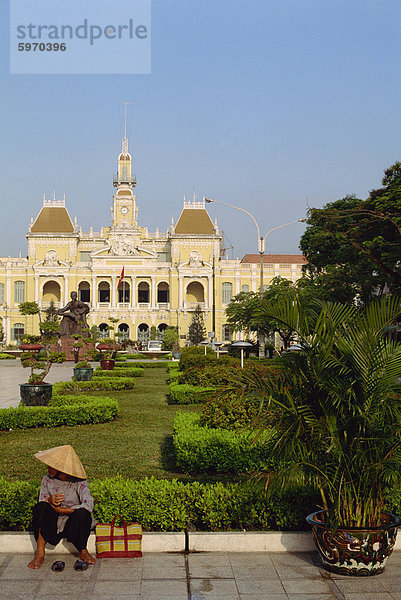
{"type": "Point", "coordinates": [125, 139]}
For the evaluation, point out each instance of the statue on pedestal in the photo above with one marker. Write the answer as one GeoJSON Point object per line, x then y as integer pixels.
{"type": "Point", "coordinates": [74, 317]}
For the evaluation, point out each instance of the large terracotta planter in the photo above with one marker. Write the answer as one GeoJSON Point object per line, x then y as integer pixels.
{"type": "Point", "coordinates": [31, 347]}
{"type": "Point", "coordinates": [107, 364]}
{"type": "Point", "coordinates": [35, 394]}
{"type": "Point", "coordinates": [83, 373]}
{"type": "Point", "coordinates": [352, 551]}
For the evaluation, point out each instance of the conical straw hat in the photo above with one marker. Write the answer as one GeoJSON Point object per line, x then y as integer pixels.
{"type": "Point", "coordinates": [64, 459]}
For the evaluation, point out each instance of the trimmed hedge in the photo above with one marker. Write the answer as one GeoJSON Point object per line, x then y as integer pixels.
{"type": "Point", "coordinates": [175, 366]}
{"type": "Point", "coordinates": [63, 411]}
{"type": "Point", "coordinates": [4, 356]}
{"type": "Point", "coordinates": [98, 372]}
{"type": "Point", "coordinates": [188, 394]}
{"type": "Point", "coordinates": [162, 505]}
{"type": "Point", "coordinates": [200, 449]}
{"type": "Point", "coordinates": [96, 385]}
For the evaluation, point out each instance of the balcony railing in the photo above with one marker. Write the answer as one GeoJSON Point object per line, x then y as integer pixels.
{"type": "Point", "coordinates": [123, 304]}
{"type": "Point", "coordinates": [143, 305]}
{"type": "Point", "coordinates": [104, 304]}
{"type": "Point", "coordinates": [45, 305]}
{"type": "Point", "coordinates": [193, 305]}
{"type": "Point", "coordinates": [163, 305]}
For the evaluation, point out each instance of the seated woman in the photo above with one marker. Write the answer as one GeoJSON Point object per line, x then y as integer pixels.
{"type": "Point", "coordinates": [65, 507]}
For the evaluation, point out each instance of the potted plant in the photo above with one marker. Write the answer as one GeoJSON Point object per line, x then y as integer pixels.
{"type": "Point", "coordinates": [338, 425]}
{"type": "Point", "coordinates": [31, 343]}
{"type": "Point", "coordinates": [83, 371]}
{"type": "Point", "coordinates": [36, 392]}
{"type": "Point", "coordinates": [109, 348]}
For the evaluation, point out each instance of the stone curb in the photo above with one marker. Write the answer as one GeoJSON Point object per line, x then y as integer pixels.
{"type": "Point", "coordinates": [235, 541]}
{"type": "Point", "coordinates": [20, 542]}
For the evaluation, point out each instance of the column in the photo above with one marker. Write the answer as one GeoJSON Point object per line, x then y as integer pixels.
{"type": "Point", "coordinates": [133, 293]}
{"type": "Point", "coordinates": [210, 292]}
{"type": "Point", "coordinates": [113, 291]}
{"type": "Point", "coordinates": [8, 289]}
{"type": "Point", "coordinates": [94, 291]}
{"type": "Point", "coordinates": [36, 288]}
{"type": "Point", "coordinates": [180, 290]}
{"type": "Point", "coordinates": [66, 289]}
{"type": "Point", "coordinates": [7, 329]}
{"type": "Point", "coordinates": [153, 292]}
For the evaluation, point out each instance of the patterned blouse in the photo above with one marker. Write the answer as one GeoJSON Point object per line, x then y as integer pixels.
{"type": "Point", "coordinates": [76, 495]}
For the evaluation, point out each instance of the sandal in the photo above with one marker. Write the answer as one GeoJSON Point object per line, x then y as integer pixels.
{"type": "Point", "coordinates": [80, 565]}
{"type": "Point", "coordinates": [58, 566]}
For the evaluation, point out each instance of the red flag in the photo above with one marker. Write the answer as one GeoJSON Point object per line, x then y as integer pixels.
{"type": "Point", "coordinates": [121, 278]}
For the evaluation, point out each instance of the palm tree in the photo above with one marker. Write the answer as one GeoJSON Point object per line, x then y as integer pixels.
{"type": "Point", "coordinates": [338, 406]}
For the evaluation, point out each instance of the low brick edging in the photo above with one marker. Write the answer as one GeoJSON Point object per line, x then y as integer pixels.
{"type": "Point", "coordinates": [234, 541]}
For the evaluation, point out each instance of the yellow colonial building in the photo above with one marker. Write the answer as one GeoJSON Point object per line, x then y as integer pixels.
{"type": "Point", "coordinates": [166, 274]}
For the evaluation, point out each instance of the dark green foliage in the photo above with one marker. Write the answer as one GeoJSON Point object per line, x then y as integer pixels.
{"type": "Point", "coordinates": [17, 499]}
{"type": "Point", "coordinates": [188, 394]}
{"type": "Point", "coordinates": [170, 338]}
{"type": "Point", "coordinates": [229, 411]}
{"type": "Point", "coordinates": [96, 385]}
{"type": "Point", "coordinates": [162, 505]}
{"type": "Point", "coordinates": [151, 364]}
{"type": "Point", "coordinates": [56, 357]}
{"type": "Point", "coordinates": [197, 329]}
{"type": "Point", "coordinates": [200, 449]}
{"type": "Point", "coordinates": [94, 410]}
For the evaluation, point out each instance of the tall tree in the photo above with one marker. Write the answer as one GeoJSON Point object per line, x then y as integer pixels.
{"type": "Point", "coordinates": [353, 245]}
{"type": "Point", "coordinates": [197, 329]}
{"type": "Point", "coordinates": [244, 311]}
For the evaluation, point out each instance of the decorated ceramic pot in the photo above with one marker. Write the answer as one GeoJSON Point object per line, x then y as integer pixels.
{"type": "Point", "coordinates": [353, 551]}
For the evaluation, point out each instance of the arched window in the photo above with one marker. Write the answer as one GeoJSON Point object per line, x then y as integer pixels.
{"type": "Point", "coordinates": [19, 291]}
{"type": "Point", "coordinates": [226, 292]}
{"type": "Point", "coordinates": [123, 330]}
{"type": "Point", "coordinates": [104, 291]}
{"type": "Point", "coordinates": [143, 292]}
{"type": "Point", "coordinates": [51, 292]}
{"type": "Point", "coordinates": [245, 288]}
{"type": "Point", "coordinates": [163, 292]}
{"type": "Point", "coordinates": [103, 330]}
{"type": "Point", "coordinates": [161, 329]}
{"type": "Point", "coordinates": [1, 293]}
{"type": "Point", "coordinates": [195, 293]}
{"type": "Point", "coordinates": [143, 335]}
{"type": "Point", "coordinates": [84, 292]}
{"type": "Point", "coordinates": [124, 292]}
{"type": "Point", "coordinates": [17, 332]}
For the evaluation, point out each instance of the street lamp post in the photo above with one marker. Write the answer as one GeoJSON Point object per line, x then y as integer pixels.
{"type": "Point", "coordinates": [261, 251]}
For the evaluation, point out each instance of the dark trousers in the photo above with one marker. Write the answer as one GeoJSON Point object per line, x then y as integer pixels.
{"type": "Point", "coordinates": [76, 530]}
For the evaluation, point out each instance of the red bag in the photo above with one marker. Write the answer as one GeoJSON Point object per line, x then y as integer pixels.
{"type": "Point", "coordinates": [118, 542]}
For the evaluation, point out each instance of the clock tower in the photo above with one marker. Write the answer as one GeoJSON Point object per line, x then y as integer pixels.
{"type": "Point", "coordinates": [124, 209]}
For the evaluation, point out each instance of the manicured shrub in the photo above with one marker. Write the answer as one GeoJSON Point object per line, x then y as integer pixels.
{"type": "Point", "coordinates": [188, 394]}
{"type": "Point", "coordinates": [200, 449]}
{"type": "Point", "coordinates": [116, 372]}
{"type": "Point", "coordinates": [173, 376]}
{"type": "Point", "coordinates": [162, 505]}
{"type": "Point", "coordinates": [4, 356]}
{"type": "Point", "coordinates": [94, 410]}
{"type": "Point", "coordinates": [173, 366]}
{"type": "Point", "coordinates": [229, 411]}
{"type": "Point", "coordinates": [97, 384]}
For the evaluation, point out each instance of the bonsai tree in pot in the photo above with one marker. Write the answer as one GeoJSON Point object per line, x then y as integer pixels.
{"type": "Point", "coordinates": [36, 391]}
{"type": "Point", "coordinates": [338, 424]}
{"type": "Point", "coordinates": [83, 371]}
{"type": "Point", "coordinates": [109, 347]}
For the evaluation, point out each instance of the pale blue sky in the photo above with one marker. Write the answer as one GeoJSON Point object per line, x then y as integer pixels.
{"type": "Point", "coordinates": [266, 104]}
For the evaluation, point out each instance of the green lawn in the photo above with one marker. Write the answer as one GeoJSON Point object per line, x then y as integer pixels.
{"type": "Point", "coordinates": [136, 445]}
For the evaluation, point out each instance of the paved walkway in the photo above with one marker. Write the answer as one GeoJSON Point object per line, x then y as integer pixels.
{"type": "Point", "coordinates": [12, 374]}
{"type": "Point", "coordinates": [204, 576]}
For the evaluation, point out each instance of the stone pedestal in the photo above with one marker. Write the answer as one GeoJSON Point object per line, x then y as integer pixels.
{"type": "Point", "coordinates": [67, 345]}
